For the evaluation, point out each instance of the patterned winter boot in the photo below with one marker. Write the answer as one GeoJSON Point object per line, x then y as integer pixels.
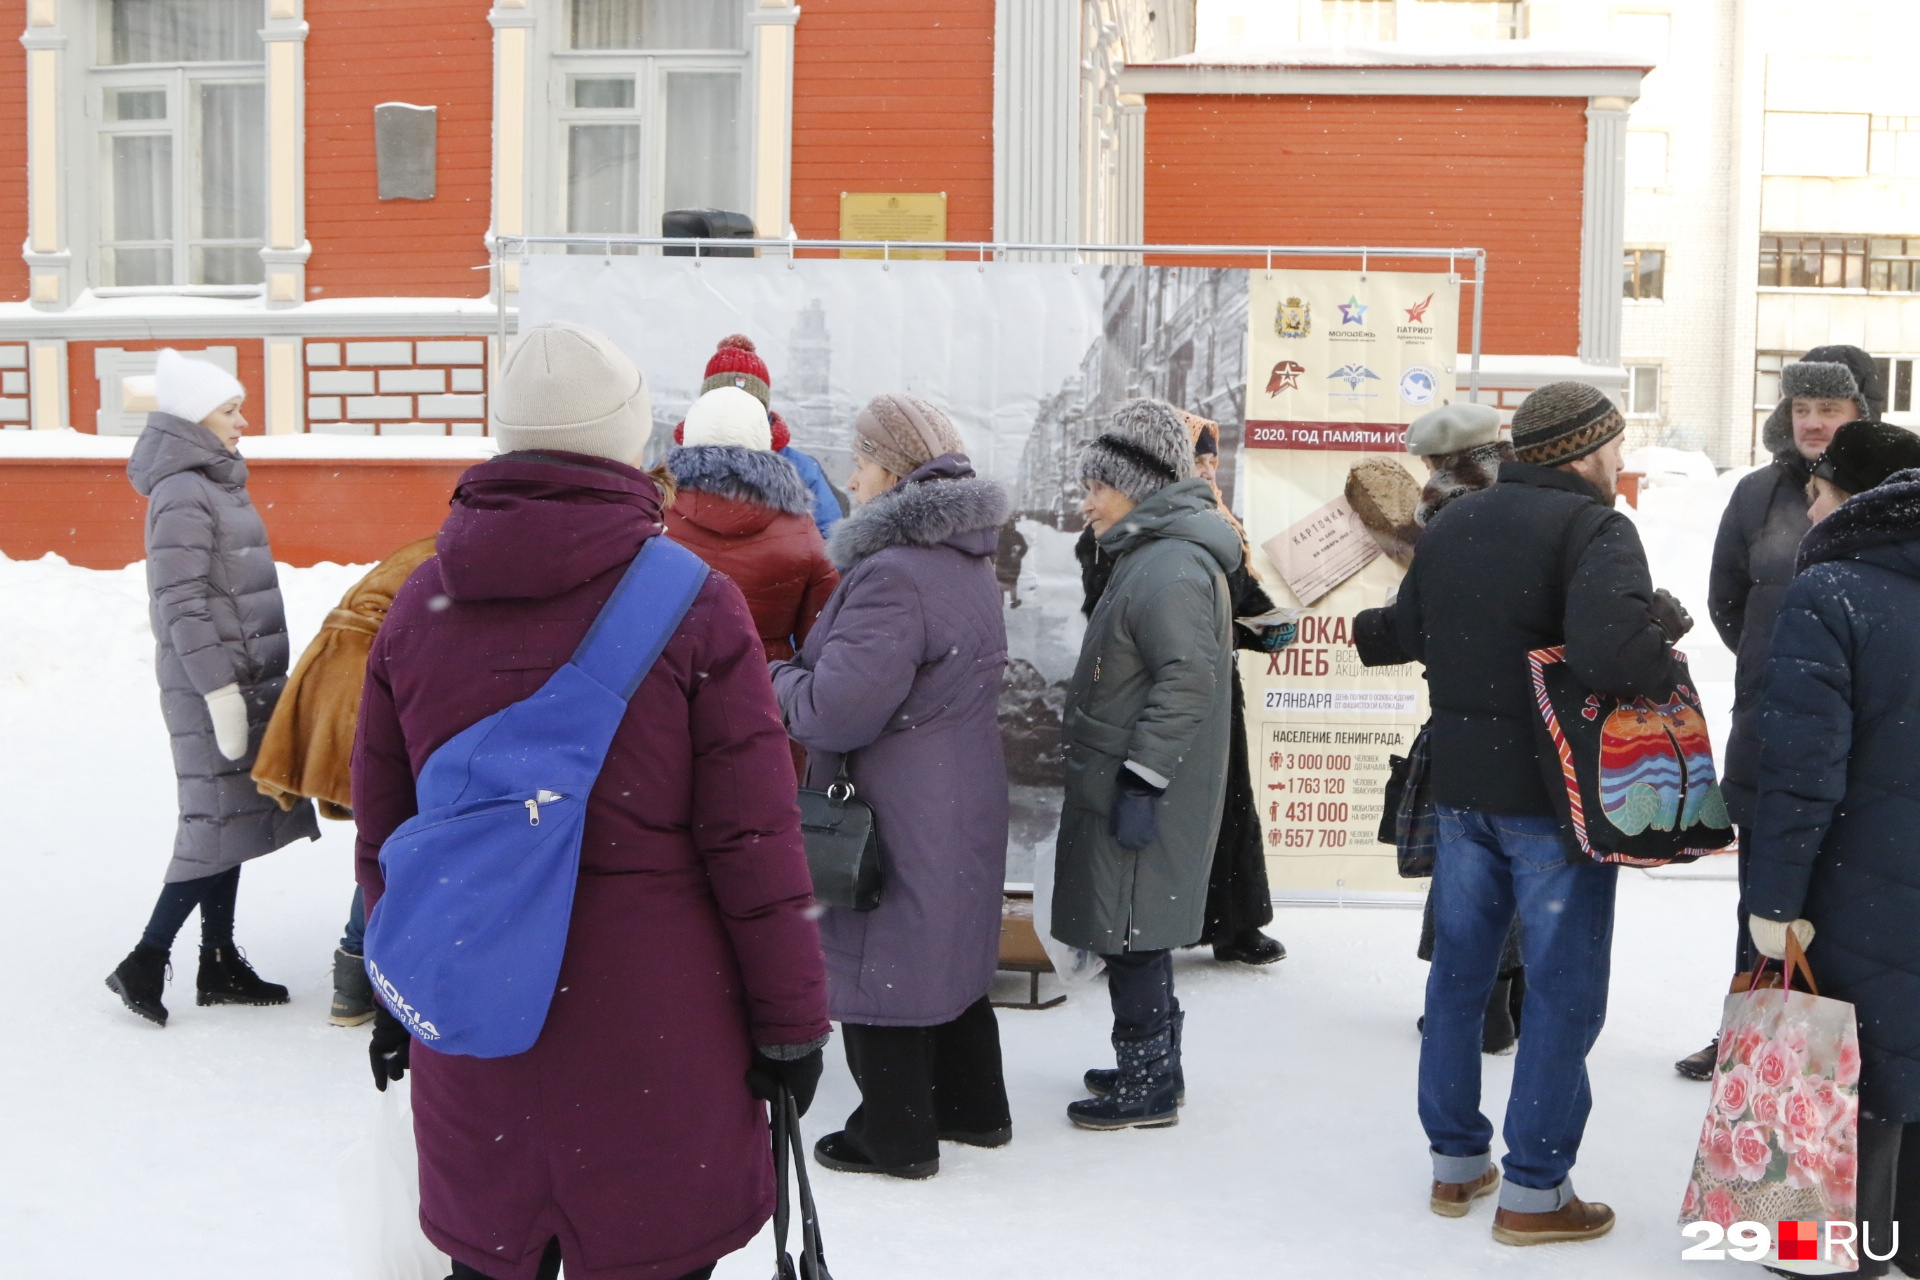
{"type": "Point", "coordinates": [227, 978]}
{"type": "Point", "coordinates": [139, 980]}
{"type": "Point", "coordinates": [1147, 1094]}
{"type": "Point", "coordinates": [1101, 1081]}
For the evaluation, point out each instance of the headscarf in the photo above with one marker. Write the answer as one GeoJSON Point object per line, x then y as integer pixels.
{"type": "Point", "coordinates": [1198, 427]}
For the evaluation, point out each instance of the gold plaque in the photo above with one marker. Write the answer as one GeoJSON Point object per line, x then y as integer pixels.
{"type": "Point", "coordinates": [893, 215]}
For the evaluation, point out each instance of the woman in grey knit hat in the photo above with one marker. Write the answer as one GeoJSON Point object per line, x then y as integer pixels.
{"type": "Point", "coordinates": [1148, 715]}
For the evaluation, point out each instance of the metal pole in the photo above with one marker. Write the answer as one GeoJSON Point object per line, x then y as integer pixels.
{"type": "Point", "coordinates": [1479, 298]}
{"type": "Point", "coordinates": [972, 247]}
{"type": "Point", "coordinates": [499, 313]}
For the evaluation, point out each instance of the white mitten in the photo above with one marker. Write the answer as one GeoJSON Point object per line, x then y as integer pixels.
{"type": "Point", "coordinates": [1770, 936]}
{"type": "Point", "coordinates": [229, 712]}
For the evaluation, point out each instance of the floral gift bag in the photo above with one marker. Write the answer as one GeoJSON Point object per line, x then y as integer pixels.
{"type": "Point", "coordinates": [1781, 1139]}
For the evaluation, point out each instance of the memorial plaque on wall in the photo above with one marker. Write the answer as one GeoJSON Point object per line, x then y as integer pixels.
{"type": "Point", "coordinates": [893, 215]}
{"type": "Point", "coordinates": [1338, 364]}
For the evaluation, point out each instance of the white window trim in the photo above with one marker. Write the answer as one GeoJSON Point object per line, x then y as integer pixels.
{"type": "Point", "coordinates": [1659, 390]}
{"type": "Point", "coordinates": [83, 98]}
{"type": "Point", "coordinates": [552, 64]}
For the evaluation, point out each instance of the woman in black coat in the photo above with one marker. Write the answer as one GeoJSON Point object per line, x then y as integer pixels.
{"type": "Point", "coordinates": [1833, 853]}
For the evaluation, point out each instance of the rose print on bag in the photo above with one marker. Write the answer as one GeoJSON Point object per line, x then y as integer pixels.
{"type": "Point", "coordinates": [1752, 1153]}
{"type": "Point", "coordinates": [1731, 1091]}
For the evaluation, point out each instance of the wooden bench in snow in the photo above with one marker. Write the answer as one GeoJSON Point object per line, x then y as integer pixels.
{"type": "Point", "coordinates": [1021, 952]}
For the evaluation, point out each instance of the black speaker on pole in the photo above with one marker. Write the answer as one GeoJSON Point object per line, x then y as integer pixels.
{"type": "Point", "coordinates": [709, 224]}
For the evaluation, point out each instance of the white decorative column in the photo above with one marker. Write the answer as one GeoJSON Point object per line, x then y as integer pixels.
{"type": "Point", "coordinates": [1131, 225]}
{"type": "Point", "coordinates": [287, 249]}
{"type": "Point", "coordinates": [47, 252]}
{"type": "Point", "coordinates": [512, 23]}
{"type": "Point", "coordinates": [1603, 230]}
{"type": "Point", "coordinates": [772, 31]}
{"type": "Point", "coordinates": [1036, 121]}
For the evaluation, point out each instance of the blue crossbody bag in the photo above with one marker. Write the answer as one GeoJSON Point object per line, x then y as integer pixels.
{"type": "Point", "coordinates": [465, 945]}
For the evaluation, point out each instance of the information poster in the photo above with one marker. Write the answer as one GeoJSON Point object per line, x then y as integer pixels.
{"type": "Point", "coordinates": [1338, 364]}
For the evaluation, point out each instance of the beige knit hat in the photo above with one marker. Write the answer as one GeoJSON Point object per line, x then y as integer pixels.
{"type": "Point", "coordinates": [904, 433]}
{"type": "Point", "coordinates": [567, 388]}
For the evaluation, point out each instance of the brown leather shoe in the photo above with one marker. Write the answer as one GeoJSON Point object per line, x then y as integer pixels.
{"type": "Point", "coordinates": [1454, 1199]}
{"type": "Point", "coordinates": [1575, 1220]}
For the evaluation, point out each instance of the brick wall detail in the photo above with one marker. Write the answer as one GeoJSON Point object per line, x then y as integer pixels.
{"type": "Point", "coordinates": [397, 386]}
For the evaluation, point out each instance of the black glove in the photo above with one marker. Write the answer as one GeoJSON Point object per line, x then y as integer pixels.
{"type": "Point", "coordinates": [1134, 822]}
{"type": "Point", "coordinates": [801, 1076]}
{"type": "Point", "coordinates": [1670, 616]}
{"type": "Point", "coordinates": [390, 1049]}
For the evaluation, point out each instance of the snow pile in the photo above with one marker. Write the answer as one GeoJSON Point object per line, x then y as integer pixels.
{"type": "Point", "coordinates": [212, 1148]}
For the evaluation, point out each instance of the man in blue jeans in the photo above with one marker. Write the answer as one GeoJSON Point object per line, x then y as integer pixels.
{"type": "Point", "coordinates": [1539, 559]}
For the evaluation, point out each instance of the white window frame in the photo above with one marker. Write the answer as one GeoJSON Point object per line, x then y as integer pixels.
{"type": "Point", "coordinates": [1634, 371]}
{"type": "Point", "coordinates": [555, 65]}
{"type": "Point", "coordinates": [87, 92]}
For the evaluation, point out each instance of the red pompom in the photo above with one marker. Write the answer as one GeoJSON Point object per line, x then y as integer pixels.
{"type": "Point", "coordinates": [680, 434]}
{"type": "Point", "coordinates": [737, 340]}
{"type": "Point", "coordinates": [781, 436]}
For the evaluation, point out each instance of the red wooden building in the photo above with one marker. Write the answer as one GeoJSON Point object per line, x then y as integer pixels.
{"type": "Point", "coordinates": [307, 191]}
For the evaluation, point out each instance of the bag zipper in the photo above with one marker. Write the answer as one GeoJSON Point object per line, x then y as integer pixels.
{"type": "Point", "coordinates": [540, 798]}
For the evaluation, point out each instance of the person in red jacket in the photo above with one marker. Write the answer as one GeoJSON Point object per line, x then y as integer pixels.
{"type": "Point", "coordinates": [744, 510]}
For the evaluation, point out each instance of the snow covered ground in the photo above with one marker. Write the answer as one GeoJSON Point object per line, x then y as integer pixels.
{"type": "Point", "coordinates": [212, 1148]}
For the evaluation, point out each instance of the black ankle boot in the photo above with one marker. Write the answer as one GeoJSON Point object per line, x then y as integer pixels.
{"type": "Point", "coordinates": [227, 978]}
{"type": "Point", "coordinates": [139, 980]}
{"type": "Point", "coordinates": [1250, 947]}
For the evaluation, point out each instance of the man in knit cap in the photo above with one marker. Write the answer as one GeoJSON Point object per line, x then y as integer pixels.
{"type": "Point", "coordinates": [736, 363]}
{"type": "Point", "coordinates": [1148, 715]}
{"type": "Point", "coordinates": [1538, 559]}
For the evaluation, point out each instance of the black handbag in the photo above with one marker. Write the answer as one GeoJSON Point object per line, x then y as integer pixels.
{"type": "Point", "coordinates": [843, 850]}
{"type": "Point", "coordinates": [1407, 819]}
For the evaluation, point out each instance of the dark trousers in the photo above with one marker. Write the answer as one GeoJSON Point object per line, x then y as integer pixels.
{"type": "Point", "coordinates": [214, 895]}
{"type": "Point", "coordinates": [917, 1083]}
{"type": "Point", "coordinates": [1140, 985]}
{"type": "Point", "coordinates": [550, 1267]}
{"type": "Point", "coordinates": [1744, 956]}
{"type": "Point", "coordinates": [1889, 1192]}
{"type": "Point", "coordinates": [1238, 897]}
{"type": "Point", "coordinates": [354, 940]}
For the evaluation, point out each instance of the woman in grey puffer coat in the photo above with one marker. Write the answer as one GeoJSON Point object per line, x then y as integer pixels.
{"type": "Point", "coordinates": [901, 678]}
{"type": "Point", "coordinates": [221, 659]}
{"type": "Point", "coordinates": [1148, 716]}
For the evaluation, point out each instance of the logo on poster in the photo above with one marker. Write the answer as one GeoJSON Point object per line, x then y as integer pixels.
{"type": "Point", "coordinates": [1285, 377]}
{"type": "Point", "coordinates": [1353, 311]}
{"type": "Point", "coordinates": [1417, 313]}
{"type": "Point", "coordinates": [1418, 385]}
{"type": "Point", "coordinates": [1353, 375]}
{"type": "Point", "coordinates": [1416, 329]}
{"type": "Point", "coordinates": [1293, 318]}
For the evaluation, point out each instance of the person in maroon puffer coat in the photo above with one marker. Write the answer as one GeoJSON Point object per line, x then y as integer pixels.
{"type": "Point", "coordinates": [744, 510]}
{"type": "Point", "coordinates": [628, 1139]}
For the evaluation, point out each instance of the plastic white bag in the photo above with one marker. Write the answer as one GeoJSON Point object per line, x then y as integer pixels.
{"type": "Point", "coordinates": [1075, 966]}
{"type": "Point", "coordinates": [380, 1185]}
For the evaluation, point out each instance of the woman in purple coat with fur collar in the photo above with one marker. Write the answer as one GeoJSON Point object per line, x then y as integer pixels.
{"type": "Point", "coordinates": [901, 678]}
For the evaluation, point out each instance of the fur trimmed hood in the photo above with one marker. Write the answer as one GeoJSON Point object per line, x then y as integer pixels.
{"type": "Point", "coordinates": [745, 475]}
{"type": "Point", "coordinates": [1460, 473]}
{"type": "Point", "coordinates": [941, 504]}
{"type": "Point", "coordinates": [1880, 517]}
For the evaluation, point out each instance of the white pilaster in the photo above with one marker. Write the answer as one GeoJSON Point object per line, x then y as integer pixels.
{"type": "Point", "coordinates": [512, 23]}
{"type": "Point", "coordinates": [47, 383]}
{"type": "Point", "coordinates": [771, 28]}
{"type": "Point", "coordinates": [1603, 230]}
{"type": "Point", "coordinates": [47, 252]}
{"type": "Point", "coordinates": [287, 249]}
{"type": "Point", "coordinates": [1036, 121]}
{"type": "Point", "coordinates": [1132, 222]}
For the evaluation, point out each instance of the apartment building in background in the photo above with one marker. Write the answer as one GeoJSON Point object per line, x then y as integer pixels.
{"type": "Point", "coordinates": [1772, 168]}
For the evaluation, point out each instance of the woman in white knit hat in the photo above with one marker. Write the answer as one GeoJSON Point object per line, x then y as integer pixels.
{"type": "Point", "coordinates": [222, 662]}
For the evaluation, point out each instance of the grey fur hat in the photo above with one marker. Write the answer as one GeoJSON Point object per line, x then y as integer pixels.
{"type": "Point", "coordinates": [1820, 380]}
{"type": "Point", "coordinates": [1144, 448]}
{"type": "Point", "coordinates": [1453, 428]}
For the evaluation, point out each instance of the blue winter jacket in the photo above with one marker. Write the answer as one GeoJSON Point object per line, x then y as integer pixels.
{"type": "Point", "coordinates": [826, 504]}
{"type": "Point", "coordinates": [1836, 837]}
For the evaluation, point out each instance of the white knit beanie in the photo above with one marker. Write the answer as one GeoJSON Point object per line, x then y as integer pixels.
{"type": "Point", "coordinates": [728, 415]}
{"type": "Point", "coordinates": [568, 388]}
{"type": "Point", "coordinates": [192, 389]}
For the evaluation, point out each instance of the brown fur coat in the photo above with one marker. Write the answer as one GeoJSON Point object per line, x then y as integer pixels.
{"type": "Point", "coordinates": [308, 746]}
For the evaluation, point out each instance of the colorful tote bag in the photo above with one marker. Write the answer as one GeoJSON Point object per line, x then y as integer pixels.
{"type": "Point", "coordinates": [1781, 1142]}
{"type": "Point", "coordinates": [1634, 780]}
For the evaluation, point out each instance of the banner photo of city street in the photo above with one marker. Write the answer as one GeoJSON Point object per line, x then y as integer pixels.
{"type": "Point", "coordinates": [1028, 359]}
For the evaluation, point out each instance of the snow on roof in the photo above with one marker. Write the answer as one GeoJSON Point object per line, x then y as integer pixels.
{"type": "Point", "coordinates": [1506, 54]}
{"type": "Point", "coordinates": [68, 443]}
